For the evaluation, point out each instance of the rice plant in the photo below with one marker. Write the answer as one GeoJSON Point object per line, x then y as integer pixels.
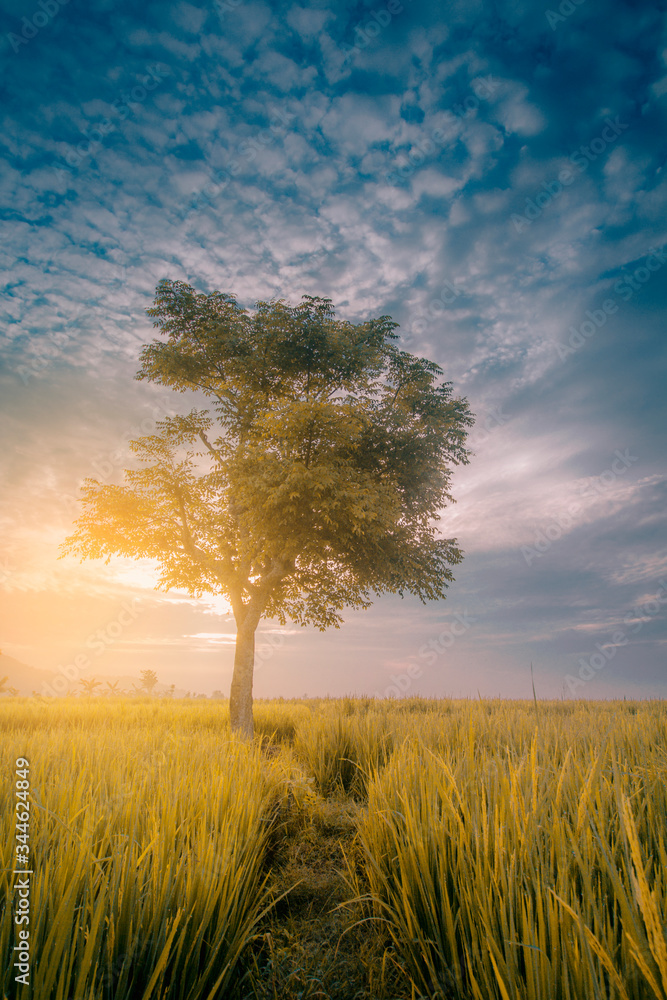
{"type": "Point", "coordinates": [493, 852]}
{"type": "Point", "coordinates": [522, 870]}
{"type": "Point", "coordinates": [340, 750]}
{"type": "Point", "coordinates": [147, 853]}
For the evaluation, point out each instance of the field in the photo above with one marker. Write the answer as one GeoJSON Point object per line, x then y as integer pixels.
{"type": "Point", "coordinates": [479, 850]}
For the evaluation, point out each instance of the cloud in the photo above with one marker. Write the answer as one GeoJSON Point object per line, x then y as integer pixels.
{"type": "Point", "coordinates": [198, 182]}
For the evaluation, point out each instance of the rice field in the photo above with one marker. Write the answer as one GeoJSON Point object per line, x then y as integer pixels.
{"type": "Point", "coordinates": [356, 850]}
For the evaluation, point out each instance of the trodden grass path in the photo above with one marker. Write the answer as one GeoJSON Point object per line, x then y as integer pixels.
{"type": "Point", "coordinates": [313, 945]}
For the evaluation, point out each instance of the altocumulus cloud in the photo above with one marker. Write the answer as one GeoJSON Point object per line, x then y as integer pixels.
{"type": "Point", "coordinates": [266, 160]}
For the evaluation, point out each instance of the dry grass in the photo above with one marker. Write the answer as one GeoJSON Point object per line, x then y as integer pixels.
{"type": "Point", "coordinates": [421, 848]}
{"type": "Point", "coordinates": [524, 864]}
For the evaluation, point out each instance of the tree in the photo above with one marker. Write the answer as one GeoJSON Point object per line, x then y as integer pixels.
{"type": "Point", "coordinates": [148, 680]}
{"type": "Point", "coordinates": [89, 685]}
{"type": "Point", "coordinates": [314, 481]}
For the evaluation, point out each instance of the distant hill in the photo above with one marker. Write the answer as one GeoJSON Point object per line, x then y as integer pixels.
{"type": "Point", "coordinates": [20, 675]}
{"type": "Point", "coordinates": [28, 679]}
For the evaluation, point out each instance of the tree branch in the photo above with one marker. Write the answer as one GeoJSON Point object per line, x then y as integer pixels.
{"type": "Point", "coordinates": [209, 445]}
{"type": "Point", "coordinates": [226, 565]}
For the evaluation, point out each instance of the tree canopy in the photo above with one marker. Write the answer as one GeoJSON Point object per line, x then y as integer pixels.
{"type": "Point", "coordinates": [313, 481]}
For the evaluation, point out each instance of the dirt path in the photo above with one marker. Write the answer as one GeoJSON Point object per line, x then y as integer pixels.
{"type": "Point", "coordinates": [310, 949]}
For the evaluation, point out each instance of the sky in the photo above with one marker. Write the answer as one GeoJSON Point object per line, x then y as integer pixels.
{"type": "Point", "coordinates": [491, 175]}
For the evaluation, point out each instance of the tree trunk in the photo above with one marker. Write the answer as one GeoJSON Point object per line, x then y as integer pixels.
{"type": "Point", "coordinates": [240, 695]}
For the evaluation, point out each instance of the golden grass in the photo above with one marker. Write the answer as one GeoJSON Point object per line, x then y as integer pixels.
{"type": "Point", "coordinates": [492, 852]}
{"type": "Point", "coordinates": [147, 843]}
{"type": "Point", "coordinates": [524, 864]}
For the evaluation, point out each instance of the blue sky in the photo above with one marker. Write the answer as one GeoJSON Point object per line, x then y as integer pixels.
{"type": "Point", "coordinates": [490, 175]}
